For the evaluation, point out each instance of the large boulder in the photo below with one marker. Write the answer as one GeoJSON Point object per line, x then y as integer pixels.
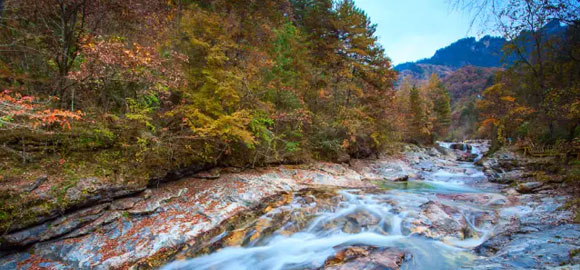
{"type": "Point", "coordinates": [505, 177]}
{"type": "Point", "coordinates": [366, 258]}
{"type": "Point", "coordinates": [437, 221]}
{"type": "Point", "coordinates": [354, 222]}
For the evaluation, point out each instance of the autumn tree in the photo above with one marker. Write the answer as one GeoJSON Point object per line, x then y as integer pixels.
{"type": "Point", "coordinates": [441, 106]}
{"type": "Point", "coordinates": [177, 83]}
{"type": "Point", "coordinates": [542, 72]}
{"type": "Point", "coordinates": [501, 114]}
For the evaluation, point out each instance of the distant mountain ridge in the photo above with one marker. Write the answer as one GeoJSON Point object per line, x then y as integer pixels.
{"type": "Point", "coordinates": [485, 52]}
{"type": "Point", "coordinates": [467, 67]}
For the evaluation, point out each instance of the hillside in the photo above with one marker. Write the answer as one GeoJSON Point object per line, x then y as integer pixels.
{"type": "Point", "coordinates": [485, 52]}
{"type": "Point", "coordinates": [468, 81]}
{"type": "Point", "coordinates": [465, 87]}
{"type": "Point", "coordinates": [423, 71]}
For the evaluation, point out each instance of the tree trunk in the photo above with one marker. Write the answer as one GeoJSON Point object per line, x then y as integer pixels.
{"type": "Point", "coordinates": [572, 132]}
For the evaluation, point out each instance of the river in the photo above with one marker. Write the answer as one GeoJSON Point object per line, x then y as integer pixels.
{"type": "Point", "coordinates": [433, 221]}
{"type": "Point", "coordinates": [420, 209]}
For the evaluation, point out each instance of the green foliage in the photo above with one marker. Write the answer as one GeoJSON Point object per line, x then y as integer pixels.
{"type": "Point", "coordinates": [141, 111]}
{"type": "Point", "coordinates": [441, 106]}
{"type": "Point", "coordinates": [418, 125]}
{"type": "Point", "coordinates": [260, 126]}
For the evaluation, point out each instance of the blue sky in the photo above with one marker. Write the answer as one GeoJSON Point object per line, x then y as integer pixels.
{"type": "Point", "coordinates": [410, 30]}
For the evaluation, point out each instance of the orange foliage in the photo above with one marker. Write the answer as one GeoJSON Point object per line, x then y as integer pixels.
{"type": "Point", "coordinates": [106, 59]}
{"type": "Point", "coordinates": [18, 111]}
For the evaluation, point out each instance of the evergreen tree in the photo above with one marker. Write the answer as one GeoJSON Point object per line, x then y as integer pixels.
{"type": "Point", "coordinates": [441, 106]}
{"type": "Point", "coordinates": [417, 115]}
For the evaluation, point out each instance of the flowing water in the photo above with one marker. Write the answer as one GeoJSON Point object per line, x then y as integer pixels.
{"type": "Point", "coordinates": [435, 222]}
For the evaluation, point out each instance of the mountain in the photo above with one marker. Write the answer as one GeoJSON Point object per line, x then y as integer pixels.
{"type": "Point", "coordinates": [485, 52]}
{"type": "Point", "coordinates": [423, 71]}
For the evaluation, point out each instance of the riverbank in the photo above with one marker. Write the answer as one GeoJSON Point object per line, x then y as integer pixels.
{"type": "Point", "coordinates": [107, 234]}
{"type": "Point", "coordinates": [216, 209]}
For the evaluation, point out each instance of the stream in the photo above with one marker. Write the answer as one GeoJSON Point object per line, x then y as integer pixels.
{"type": "Point", "coordinates": [420, 209]}
{"type": "Point", "coordinates": [432, 221]}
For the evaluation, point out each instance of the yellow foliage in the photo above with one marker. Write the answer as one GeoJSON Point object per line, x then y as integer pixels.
{"type": "Point", "coordinates": [508, 99]}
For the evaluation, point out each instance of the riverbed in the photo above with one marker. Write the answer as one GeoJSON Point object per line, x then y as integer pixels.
{"type": "Point", "coordinates": [421, 209]}
{"type": "Point", "coordinates": [437, 219]}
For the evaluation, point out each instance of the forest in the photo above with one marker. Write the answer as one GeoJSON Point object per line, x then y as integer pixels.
{"type": "Point", "coordinates": [185, 82]}
{"type": "Point", "coordinates": [280, 134]}
{"type": "Point", "coordinates": [134, 92]}
{"type": "Point", "coordinates": [176, 83]}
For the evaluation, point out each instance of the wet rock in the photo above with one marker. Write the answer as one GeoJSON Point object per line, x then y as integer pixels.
{"type": "Point", "coordinates": [442, 150]}
{"type": "Point", "coordinates": [363, 219]}
{"type": "Point", "coordinates": [384, 170]}
{"type": "Point", "coordinates": [235, 238]}
{"type": "Point", "coordinates": [477, 199]}
{"type": "Point", "coordinates": [354, 222]}
{"type": "Point", "coordinates": [437, 221]}
{"type": "Point", "coordinates": [491, 164]}
{"type": "Point", "coordinates": [332, 168]}
{"type": "Point", "coordinates": [504, 154]}
{"type": "Point", "coordinates": [426, 166]}
{"type": "Point", "coordinates": [500, 239]}
{"type": "Point", "coordinates": [399, 178]}
{"type": "Point", "coordinates": [529, 187]}
{"type": "Point", "coordinates": [106, 218]}
{"type": "Point", "coordinates": [493, 176]}
{"type": "Point", "coordinates": [348, 254]}
{"type": "Point", "coordinates": [433, 152]}
{"type": "Point", "coordinates": [501, 161]}
{"type": "Point", "coordinates": [366, 258]}
{"type": "Point", "coordinates": [505, 178]}
{"type": "Point", "coordinates": [155, 203]}
{"type": "Point", "coordinates": [461, 146]}
{"type": "Point", "coordinates": [467, 157]}
{"type": "Point", "coordinates": [549, 247]}
{"type": "Point", "coordinates": [179, 215]}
